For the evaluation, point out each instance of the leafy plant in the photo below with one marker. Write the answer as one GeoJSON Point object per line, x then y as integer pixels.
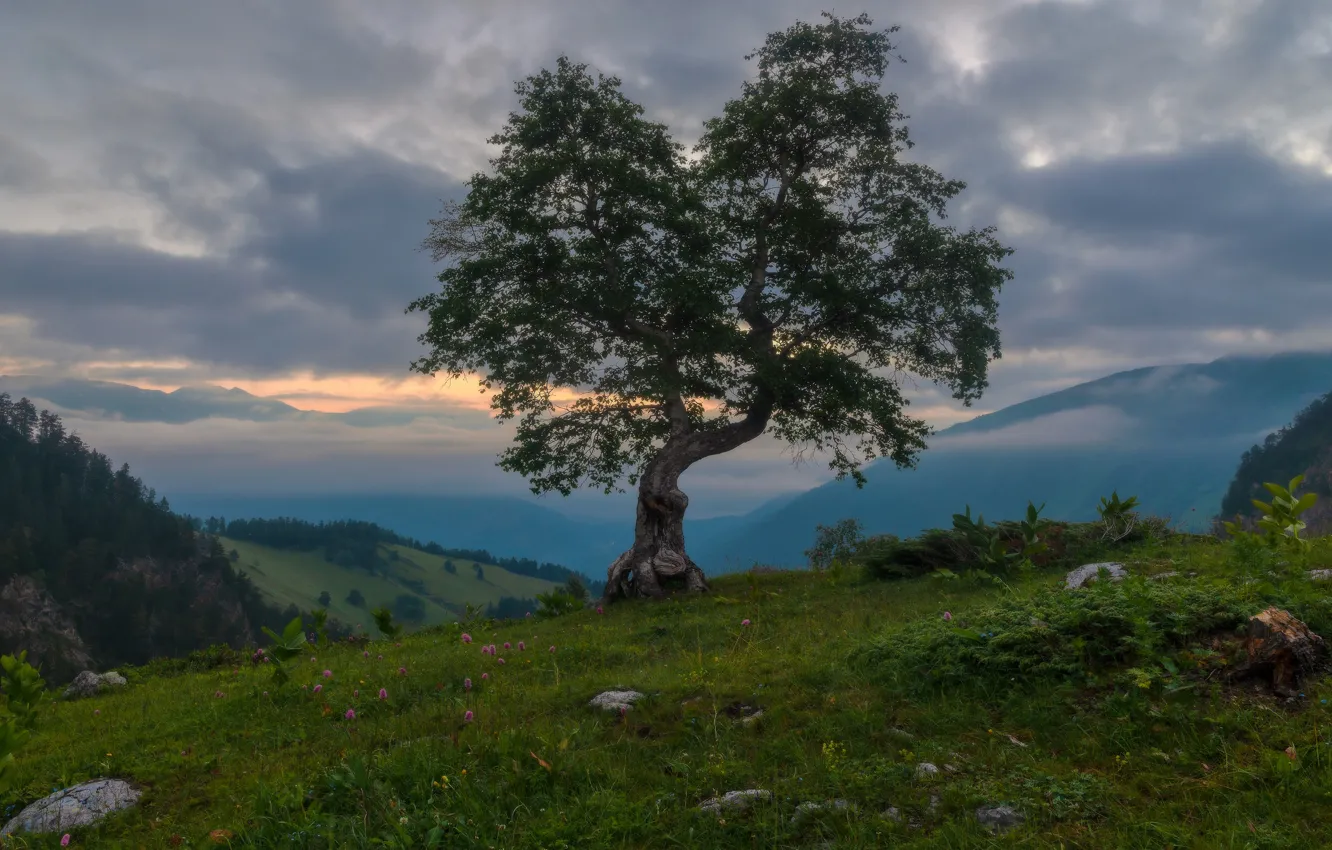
{"type": "Point", "coordinates": [1280, 522]}
{"type": "Point", "coordinates": [23, 687]}
{"type": "Point", "coordinates": [290, 644]}
{"type": "Point", "coordinates": [320, 617]}
{"type": "Point", "coordinates": [557, 603]}
{"type": "Point", "coordinates": [833, 543]}
{"type": "Point", "coordinates": [1117, 517]}
{"type": "Point", "coordinates": [384, 622]}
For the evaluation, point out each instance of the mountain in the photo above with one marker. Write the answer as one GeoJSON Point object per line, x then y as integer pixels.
{"type": "Point", "coordinates": [1171, 435]}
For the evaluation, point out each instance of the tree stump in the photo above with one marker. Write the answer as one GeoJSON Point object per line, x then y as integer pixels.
{"type": "Point", "coordinates": [1281, 648]}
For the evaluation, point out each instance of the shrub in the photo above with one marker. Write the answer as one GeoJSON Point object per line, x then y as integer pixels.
{"type": "Point", "coordinates": [1069, 635]}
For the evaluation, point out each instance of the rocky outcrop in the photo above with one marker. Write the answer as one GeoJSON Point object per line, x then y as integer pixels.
{"type": "Point", "coordinates": [1090, 572]}
{"type": "Point", "coordinates": [80, 805]}
{"type": "Point", "coordinates": [32, 620]}
{"type": "Point", "coordinates": [88, 684]}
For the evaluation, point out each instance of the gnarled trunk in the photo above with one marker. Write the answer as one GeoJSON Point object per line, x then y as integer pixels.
{"type": "Point", "coordinates": [657, 558]}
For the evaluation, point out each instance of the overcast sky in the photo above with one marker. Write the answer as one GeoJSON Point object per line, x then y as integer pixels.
{"type": "Point", "coordinates": [232, 193]}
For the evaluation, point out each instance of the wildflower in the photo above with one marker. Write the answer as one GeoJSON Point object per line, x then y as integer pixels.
{"type": "Point", "coordinates": [744, 622]}
{"type": "Point", "coordinates": [552, 648]}
{"type": "Point", "coordinates": [318, 688]}
{"type": "Point", "coordinates": [485, 676]}
{"type": "Point", "coordinates": [96, 711]}
{"type": "Point", "coordinates": [599, 611]}
{"type": "Point", "coordinates": [493, 650]}
{"type": "Point", "coordinates": [381, 658]}
{"type": "Point", "coordinates": [467, 684]}
{"type": "Point", "coordinates": [383, 693]}
{"type": "Point", "coordinates": [402, 671]}
{"type": "Point", "coordinates": [350, 715]}
{"type": "Point", "coordinates": [312, 659]}
{"type": "Point", "coordinates": [529, 615]}
{"type": "Point", "coordinates": [64, 840]}
{"type": "Point", "coordinates": [500, 660]}
{"type": "Point", "coordinates": [522, 647]}
{"type": "Point", "coordinates": [948, 616]}
{"type": "Point", "coordinates": [328, 674]}
{"type": "Point", "coordinates": [365, 654]}
{"type": "Point", "coordinates": [507, 645]}
{"type": "Point", "coordinates": [218, 695]}
{"type": "Point", "coordinates": [398, 644]}
{"type": "Point", "coordinates": [265, 693]}
{"type": "Point", "coordinates": [467, 716]}
{"type": "Point", "coordinates": [466, 638]}
{"type": "Point", "coordinates": [355, 692]}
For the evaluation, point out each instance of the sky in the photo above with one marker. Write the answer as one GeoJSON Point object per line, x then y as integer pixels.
{"type": "Point", "coordinates": [233, 194]}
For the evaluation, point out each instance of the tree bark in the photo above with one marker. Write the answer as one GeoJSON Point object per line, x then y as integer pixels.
{"type": "Point", "coordinates": [657, 559]}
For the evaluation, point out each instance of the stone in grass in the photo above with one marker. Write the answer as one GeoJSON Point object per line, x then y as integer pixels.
{"type": "Point", "coordinates": [926, 769]}
{"type": "Point", "coordinates": [88, 684]}
{"type": "Point", "coordinates": [1090, 572]}
{"type": "Point", "coordinates": [1320, 575]}
{"type": "Point", "coordinates": [615, 700]}
{"type": "Point", "coordinates": [734, 800]}
{"type": "Point", "coordinates": [999, 818]}
{"type": "Point", "coordinates": [804, 810]}
{"type": "Point", "coordinates": [80, 805]}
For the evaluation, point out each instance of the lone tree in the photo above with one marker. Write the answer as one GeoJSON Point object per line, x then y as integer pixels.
{"type": "Point", "coordinates": [769, 280]}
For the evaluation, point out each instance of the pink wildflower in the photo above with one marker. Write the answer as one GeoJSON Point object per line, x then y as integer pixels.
{"type": "Point", "coordinates": [219, 695]}
{"type": "Point", "coordinates": [64, 840]}
{"type": "Point", "coordinates": [467, 684]}
{"type": "Point", "coordinates": [467, 716]}
{"type": "Point", "coordinates": [485, 676]}
{"type": "Point", "coordinates": [500, 660]}
{"type": "Point", "coordinates": [948, 616]}
{"type": "Point", "coordinates": [365, 654]}
{"type": "Point", "coordinates": [398, 644]}
{"type": "Point", "coordinates": [744, 622]}
{"type": "Point", "coordinates": [507, 645]}
{"type": "Point", "coordinates": [466, 638]}
{"type": "Point", "coordinates": [356, 692]}
{"type": "Point", "coordinates": [318, 688]}
{"type": "Point", "coordinates": [381, 658]}
{"type": "Point", "coordinates": [522, 647]}
{"type": "Point", "coordinates": [552, 649]}
{"type": "Point", "coordinates": [529, 615]}
{"type": "Point", "coordinates": [402, 671]}
{"type": "Point", "coordinates": [383, 693]}
{"type": "Point", "coordinates": [328, 674]}
{"type": "Point", "coordinates": [599, 611]}
{"type": "Point", "coordinates": [350, 715]}
{"type": "Point", "coordinates": [96, 711]}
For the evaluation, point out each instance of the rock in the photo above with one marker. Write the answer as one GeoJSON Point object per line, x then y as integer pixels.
{"type": "Point", "coordinates": [999, 818]}
{"type": "Point", "coordinates": [1320, 575]}
{"type": "Point", "coordinates": [804, 810]}
{"type": "Point", "coordinates": [743, 713]}
{"type": "Point", "coordinates": [615, 700]}
{"type": "Point", "coordinates": [32, 620]}
{"type": "Point", "coordinates": [88, 684]}
{"type": "Point", "coordinates": [80, 805]}
{"type": "Point", "coordinates": [925, 769]}
{"type": "Point", "coordinates": [1281, 648]}
{"type": "Point", "coordinates": [1089, 572]}
{"type": "Point", "coordinates": [1165, 575]}
{"type": "Point", "coordinates": [734, 800]}
{"type": "Point", "coordinates": [891, 813]}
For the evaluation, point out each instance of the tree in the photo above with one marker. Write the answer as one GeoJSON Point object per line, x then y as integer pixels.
{"type": "Point", "coordinates": [325, 598]}
{"type": "Point", "coordinates": [450, 567]}
{"type": "Point", "coordinates": [771, 280]}
{"type": "Point", "coordinates": [355, 598]}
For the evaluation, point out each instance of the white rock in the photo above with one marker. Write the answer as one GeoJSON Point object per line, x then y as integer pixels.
{"type": "Point", "coordinates": [1320, 575]}
{"type": "Point", "coordinates": [735, 800]}
{"type": "Point", "coordinates": [999, 818]}
{"type": "Point", "coordinates": [615, 700]}
{"type": "Point", "coordinates": [925, 769]}
{"type": "Point", "coordinates": [88, 683]}
{"type": "Point", "coordinates": [80, 805]}
{"type": "Point", "coordinates": [1089, 572]}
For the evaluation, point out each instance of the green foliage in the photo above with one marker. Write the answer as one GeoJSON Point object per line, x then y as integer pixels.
{"type": "Point", "coordinates": [595, 240]}
{"type": "Point", "coordinates": [384, 622]}
{"type": "Point", "coordinates": [575, 587]}
{"type": "Point", "coordinates": [1061, 636]}
{"type": "Point", "coordinates": [1280, 522]}
{"type": "Point", "coordinates": [557, 603]}
{"type": "Point", "coordinates": [23, 687]}
{"type": "Point", "coordinates": [292, 643]}
{"type": "Point", "coordinates": [320, 618]}
{"type": "Point", "coordinates": [356, 598]}
{"type": "Point", "coordinates": [1118, 517]}
{"type": "Point", "coordinates": [1302, 445]}
{"type": "Point", "coordinates": [834, 543]}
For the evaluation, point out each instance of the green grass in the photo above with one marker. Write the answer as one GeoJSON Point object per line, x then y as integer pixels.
{"type": "Point", "coordinates": [859, 681]}
{"type": "Point", "coordinates": [287, 577]}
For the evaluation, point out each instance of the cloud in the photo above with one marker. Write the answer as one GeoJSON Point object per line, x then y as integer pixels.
{"type": "Point", "coordinates": [1083, 426]}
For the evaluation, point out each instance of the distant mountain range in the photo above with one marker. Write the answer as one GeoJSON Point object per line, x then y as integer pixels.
{"type": "Point", "coordinates": [1171, 435]}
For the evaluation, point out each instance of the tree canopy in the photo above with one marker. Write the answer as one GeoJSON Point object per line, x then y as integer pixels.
{"type": "Point", "coordinates": [774, 277]}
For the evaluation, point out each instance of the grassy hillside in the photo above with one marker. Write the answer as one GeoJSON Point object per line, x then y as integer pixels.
{"type": "Point", "coordinates": [1102, 715]}
{"type": "Point", "coordinates": [289, 577]}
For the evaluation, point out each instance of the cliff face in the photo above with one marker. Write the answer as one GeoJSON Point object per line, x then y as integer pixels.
{"type": "Point", "coordinates": [193, 590]}
{"type": "Point", "coordinates": [30, 619]}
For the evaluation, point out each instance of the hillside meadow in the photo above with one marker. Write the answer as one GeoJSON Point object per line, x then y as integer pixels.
{"type": "Point", "coordinates": [285, 577]}
{"type": "Point", "coordinates": [1101, 716]}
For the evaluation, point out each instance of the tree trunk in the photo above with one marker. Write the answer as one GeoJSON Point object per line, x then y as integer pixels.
{"type": "Point", "coordinates": [657, 558]}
